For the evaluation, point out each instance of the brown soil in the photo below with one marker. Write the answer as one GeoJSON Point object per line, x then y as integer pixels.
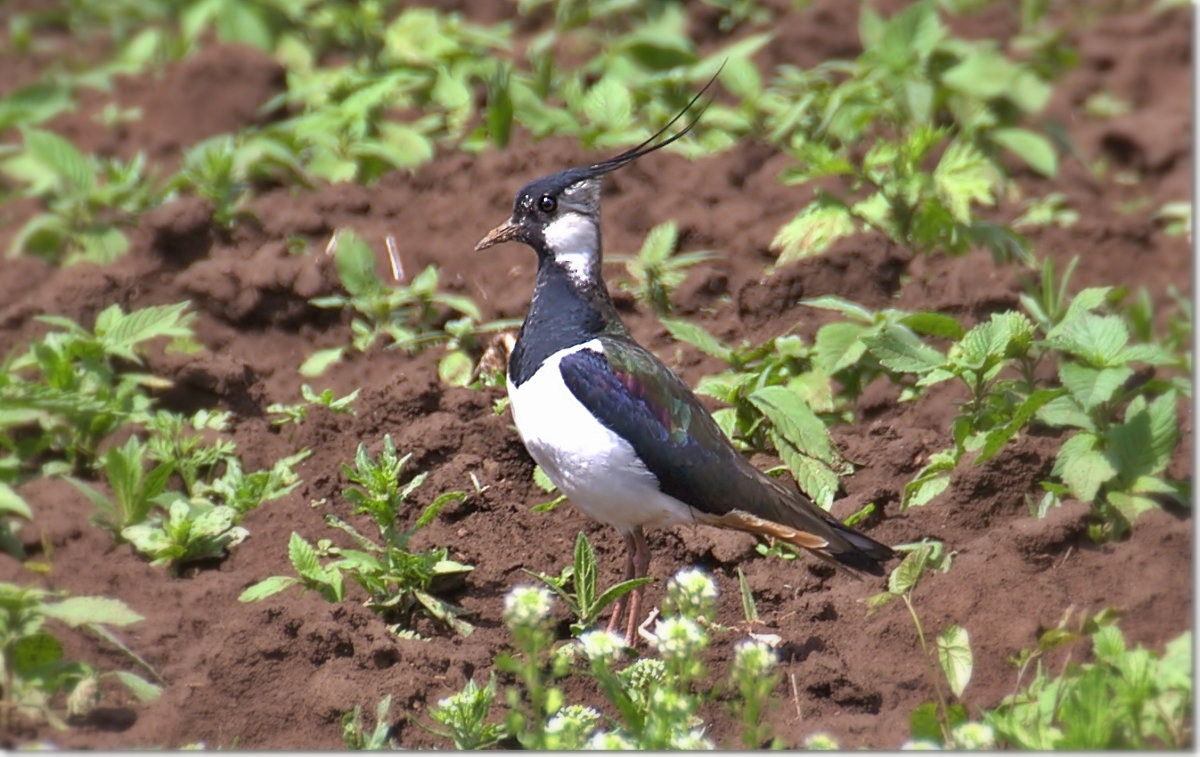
{"type": "Point", "coordinates": [279, 674]}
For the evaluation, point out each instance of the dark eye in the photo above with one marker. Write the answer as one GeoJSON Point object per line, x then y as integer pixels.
{"type": "Point", "coordinates": [547, 204]}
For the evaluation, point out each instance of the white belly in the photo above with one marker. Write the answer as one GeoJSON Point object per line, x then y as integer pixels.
{"type": "Point", "coordinates": [597, 470]}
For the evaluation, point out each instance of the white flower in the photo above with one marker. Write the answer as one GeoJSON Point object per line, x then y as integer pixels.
{"type": "Point", "coordinates": [822, 741]}
{"type": "Point", "coordinates": [974, 736]}
{"type": "Point", "coordinates": [602, 646]}
{"type": "Point", "coordinates": [678, 638]}
{"type": "Point", "coordinates": [753, 659]}
{"type": "Point", "coordinates": [611, 740]}
{"type": "Point", "coordinates": [693, 593]}
{"type": "Point", "coordinates": [527, 606]}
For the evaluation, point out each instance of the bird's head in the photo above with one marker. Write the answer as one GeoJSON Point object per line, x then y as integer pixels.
{"type": "Point", "coordinates": [559, 215]}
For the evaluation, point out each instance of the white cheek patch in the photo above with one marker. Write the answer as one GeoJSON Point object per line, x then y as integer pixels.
{"type": "Point", "coordinates": [573, 240]}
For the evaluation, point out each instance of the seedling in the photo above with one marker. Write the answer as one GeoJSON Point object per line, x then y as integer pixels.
{"type": "Point", "coordinates": [1125, 699]}
{"type": "Point", "coordinates": [298, 412]}
{"type": "Point", "coordinates": [463, 715]}
{"type": "Point", "coordinates": [657, 268]}
{"type": "Point", "coordinates": [354, 729]}
{"type": "Point", "coordinates": [72, 385]}
{"type": "Point", "coordinates": [914, 95]}
{"type": "Point", "coordinates": [407, 315]}
{"type": "Point", "coordinates": [88, 200]}
{"type": "Point", "coordinates": [32, 660]}
{"type": "Point", "coordinates": [134, 489]}
{"type": "Point", "coordinates": [582, 598]}
{"type": "Point", "coordinates": [398, 582]}
{"type": "Point", "coordinates": [932, 720]}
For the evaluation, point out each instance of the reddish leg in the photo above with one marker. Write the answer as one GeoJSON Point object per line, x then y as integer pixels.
{"type": "Point", "coordinates": [621, 603]}
{"type": "Point", "coordinates": [640, 559]}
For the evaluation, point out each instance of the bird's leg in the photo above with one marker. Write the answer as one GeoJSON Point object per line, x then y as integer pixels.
{"type": "Point", "coordinates": [622, 601]}
{"type": "Point", "coordinates": [640, 564]}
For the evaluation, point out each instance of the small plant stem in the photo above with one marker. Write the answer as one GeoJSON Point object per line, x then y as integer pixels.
{"type": "Point", "coordinates": [943, 707]}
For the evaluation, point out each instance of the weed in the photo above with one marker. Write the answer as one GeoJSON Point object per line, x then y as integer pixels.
{"type": "Point", "coordinates": [463, 715]}
{"type": "Point", "coordinates": [582, 598]}
{"type": "Point", "coordinates": [298, 412]}
{"type": "Point", "coordinates": [33, 666]}
{"type": "Point", "coordinates": [916, 97]}
{"type": "Point", "coordinates": [354, 731]}
{"type": "Point", "coordinates": [398, 582]}
{"type": "Point", "coordinates": [657, 269]}
{"type": "Point", "coordinates": [407, 315]}
{"type": "Point", "coordinates": [952, 647]}
{"type": "Point", "coordinates": [88, 199]}
{"type": "Point", "coordinates": [656, 700]}
{"type": "Point", "coordinates": [77, 392]}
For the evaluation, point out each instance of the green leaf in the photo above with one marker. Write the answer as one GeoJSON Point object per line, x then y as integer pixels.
{"type": "Point", "coordinates": [317, 363]}
{"type": "Point", "coordinates": [304, 559]}
{"type": "Point", "coordinates": [1095, 339]}
{"type": "Point", "coordinates": [63, 158]}
{"type": "Point", "coordinates": [34, 651]}
{"type": "Point", "coordinates": [356, 264]}
{"type": "Point", "coordinates": [138, 686]}
{"type": "Point", "coordinates": [905, 576]}
{"type": "Point", "coordinates": [924, 725]}
{"type": "Point", "coordinates": [963, 176]}
{"type": "Point", "coordinates": [1030, 146]}
{"type": "Point", "coordinates": [608, 104]}
{"type": "Point", "coordinates": [954, 655]}
{"type": "Point", "coordinates": [695, 335]}
{"type": "Point", "coordinates": [77, 611]}
{"type": "Point", "coordinates": [998, 437]}
{"type": "Point", "coordinates": [838, 345]}
{"type": "Point", "coordinates": [899, 349]}
{"type": "Point", "coordinates": [824, 221]}
{"type": "Point", "coordinates": [796, 422]}
{"type": "Point", "coordinates": [266, 588]}
{"type": "Point", "coordinates": [1092, 387]}
{"type": "Point", "coordinates": [1082, 467]}
{"type": "Point", "coordinates": [12, 503]}
{"type": "Point", "coordinates": [455, 368]}
{"type": "Point", "coordinates": [934, 324]}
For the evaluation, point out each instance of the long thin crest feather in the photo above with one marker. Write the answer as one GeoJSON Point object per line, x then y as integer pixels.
{"type": "Point", "coordinates": [649, 146]}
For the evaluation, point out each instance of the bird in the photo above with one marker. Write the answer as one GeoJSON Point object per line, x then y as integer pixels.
{"type": "Point", "coordinates": [619, 433]}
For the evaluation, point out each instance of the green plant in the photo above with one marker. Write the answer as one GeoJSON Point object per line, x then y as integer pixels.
{"type": "Point", "coordinates": [582, 598]}
{"type": "Point", "coordinates": [916, 127]}
{"type": "Point", "coordinates": [463, 716]}
{"type": "Point", "coordinates": [298, 412]}
{"type": "Point", "coordinates": [657, 269]}
{"type": "Point", "coordinates": [73, 385]}
{"type": "Point", "coordinates": [200, 523]}
{"type": "Point", "coordinates": [656, 700]}
{"type": "Point", "coordinates": [407, 315]}
{"type": "Point", "coordinates": [398, 582]}
{"type": "Point", "coordinates": [354, 731]}
{"type": "Point", "coordinates": [1124, 699]}
{"type": "Point", "coordinates": [193, 529]}
{"type": "Point", "coordinates": [88, 200]}
{"type": "Point", "coordinates": [12, 506]}
{"type": "Point", "coordinates": [1124, 429]}
{"type": "Point", "coordinates": [33, 668]}
{"type": "Point", "coordinates": [134, 489]}
{"type": "Point", "coordinates": [936, 720]}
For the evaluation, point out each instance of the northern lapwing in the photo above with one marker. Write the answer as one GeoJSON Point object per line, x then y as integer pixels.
{"type": "Point", "coordinates": [611, 425]}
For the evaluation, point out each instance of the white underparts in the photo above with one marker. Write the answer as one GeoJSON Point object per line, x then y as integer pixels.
{"type": "Point", "coordinates": [575, 242]}
{"type": "Point", "coordinates": [597, 469]}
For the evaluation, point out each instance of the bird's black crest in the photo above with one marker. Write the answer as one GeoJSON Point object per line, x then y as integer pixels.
{"type": "Point", "coordinates": [557, 182]}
